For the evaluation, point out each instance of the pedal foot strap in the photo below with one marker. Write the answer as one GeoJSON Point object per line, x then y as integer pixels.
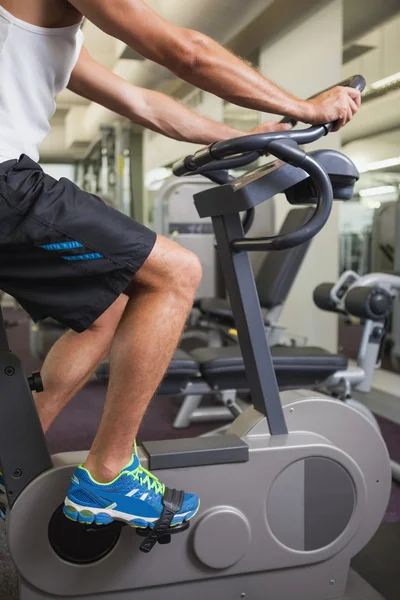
{"type": "Point", "coordinates": [172, 501]}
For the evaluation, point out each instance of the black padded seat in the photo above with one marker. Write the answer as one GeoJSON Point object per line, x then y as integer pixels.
{"type": "Point", "coordinates": [220, 309]}
{"type": "Point", "coordinates": [182, 362]}
{"type": "Point", "coordinates": [182, 369]}
{"type": "Point", "coordinates": [223, 368]}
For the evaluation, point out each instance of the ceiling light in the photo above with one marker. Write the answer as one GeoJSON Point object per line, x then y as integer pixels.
{"type": "Point", "coordinates": [372, 204]}
{"type": "Point", "coordinates": [381, 164]}
{"type": "Point", "coordinates": [378, 191]}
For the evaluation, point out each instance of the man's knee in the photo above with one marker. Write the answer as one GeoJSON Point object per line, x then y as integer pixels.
{"type": "Point", "coordinates": [170, 267]}
{"type": "Point", "coordinates": [189, 271]}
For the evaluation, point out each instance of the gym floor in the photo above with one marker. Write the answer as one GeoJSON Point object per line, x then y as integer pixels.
{"type": "Point", "coordinates": [76, 426]}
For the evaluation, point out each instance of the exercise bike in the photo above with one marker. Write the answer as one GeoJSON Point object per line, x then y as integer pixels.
{"type": "Point", "coordinates": [295, 489]}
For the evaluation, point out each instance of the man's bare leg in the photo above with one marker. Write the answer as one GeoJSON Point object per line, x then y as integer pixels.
{"type": "Point", "coordinates": [160, 300]}
{"type": "Point", "coordinates": [72, 361]}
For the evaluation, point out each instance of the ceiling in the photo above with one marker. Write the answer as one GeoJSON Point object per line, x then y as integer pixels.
{"type": "Point", "coordinates": [360, 16]}
{"type": "Point", "coordinates": [369, 49]}
{"type": "Point", "coordinates": [374, 135]}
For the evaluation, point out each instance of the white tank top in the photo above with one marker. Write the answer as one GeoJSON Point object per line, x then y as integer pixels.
{"type": "Point", "coordinates": [35, 65]}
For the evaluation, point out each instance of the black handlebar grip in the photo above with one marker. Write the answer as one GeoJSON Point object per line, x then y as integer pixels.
{"type": "Point", "coordinates": [356, 81]}
{"type": "Point", "coordinates": [372, 303]}
{"type": "Point", "coordinates": [322, 297]}
{"type": "Point", "coordinates": [184, 166]}
{"type": "Point", "coordinates": [201, 158]}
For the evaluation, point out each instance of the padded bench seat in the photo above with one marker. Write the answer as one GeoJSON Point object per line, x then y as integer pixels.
{"type": "Point", "coordinates": [182, 369]}
{"type": "Point", "coordinates": [221, 310]}
{"type": "Point", "coordinates": [223, 368]}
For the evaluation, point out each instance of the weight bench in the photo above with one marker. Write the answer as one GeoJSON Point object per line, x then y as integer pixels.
{"type": "Point", "coordinates": [221, 372]}
{"type": "Point", "coordinates": [182, 373]}
{"type": "Point", "coordinates": [369, 298]}
{"type": "Point", "coordinates": [294, 366]}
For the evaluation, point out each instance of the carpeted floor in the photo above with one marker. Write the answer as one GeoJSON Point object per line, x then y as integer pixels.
{"type": "Point", "coordinates": [75, 429]}
{"type": "Point", "coordinates": [378, 563]}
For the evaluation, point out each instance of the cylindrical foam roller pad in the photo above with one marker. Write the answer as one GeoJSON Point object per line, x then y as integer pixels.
{"type": "Point", "coordinates": [322, 297]}
{"type": "Point", "coordinates": [372, 303]}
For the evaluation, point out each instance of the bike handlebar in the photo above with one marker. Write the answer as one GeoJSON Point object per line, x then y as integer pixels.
{"type": "Point", "coordinates": [229, 154]}
{"type": "Point", "coordinates": [248, 148]}
{"type": "Point", "coordinates": [306, 232]}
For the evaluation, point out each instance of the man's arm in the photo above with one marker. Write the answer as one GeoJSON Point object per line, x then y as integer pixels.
{"type": "Point", "coordinates": [202, 62]}
{"type": "Point", "coordinates": [153, 110]}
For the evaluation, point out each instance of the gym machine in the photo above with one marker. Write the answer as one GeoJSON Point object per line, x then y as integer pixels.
{"type": "Point", "coordinates": [175, 217]}
{"type": "Point", "coordinates": [395, 338]}
{"type": "Point", "coordinates": [369, 298]}
{"type": "Point", "coordinates": [106, 168]}
{"type": "Point", "coordinates": [296, 488]}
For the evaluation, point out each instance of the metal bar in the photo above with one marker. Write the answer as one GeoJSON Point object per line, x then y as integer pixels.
{"type": "Point", "coordinates": [368, 357]}
{"type": "Point", "coordinates": [251, 143]}
{"type": "Point", "coordinates": [188, 407]}
{"type": "Point", "coordinates": [23, 449]}
{"type": "Point", "coordinates": [211, 414]}
{"type": "Point", "coordinates": [314, 224]}
{"type": "Point", "coordinates": [249, 322]}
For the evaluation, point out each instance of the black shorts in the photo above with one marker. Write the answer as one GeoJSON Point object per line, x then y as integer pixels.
{"type": "Point", "coordinates": [64, 253]}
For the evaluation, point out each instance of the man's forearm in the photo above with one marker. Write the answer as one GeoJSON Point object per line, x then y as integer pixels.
{"type": "Point", "coordinates": [150, 109]}
{"type": "Point", "coordinates": [220, 72]}
{"type": "Point", "coordinates": [164, 115]}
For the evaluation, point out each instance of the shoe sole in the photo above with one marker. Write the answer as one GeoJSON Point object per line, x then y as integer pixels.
{"type": "Point", "coordinates": [101, 516]}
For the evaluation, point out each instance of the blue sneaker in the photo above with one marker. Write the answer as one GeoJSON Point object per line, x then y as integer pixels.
{"type": "Point", "coordinates": [134, 497]}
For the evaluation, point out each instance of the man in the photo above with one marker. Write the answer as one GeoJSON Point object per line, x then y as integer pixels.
{"type": "Point", "coordinates": [123, 291]}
